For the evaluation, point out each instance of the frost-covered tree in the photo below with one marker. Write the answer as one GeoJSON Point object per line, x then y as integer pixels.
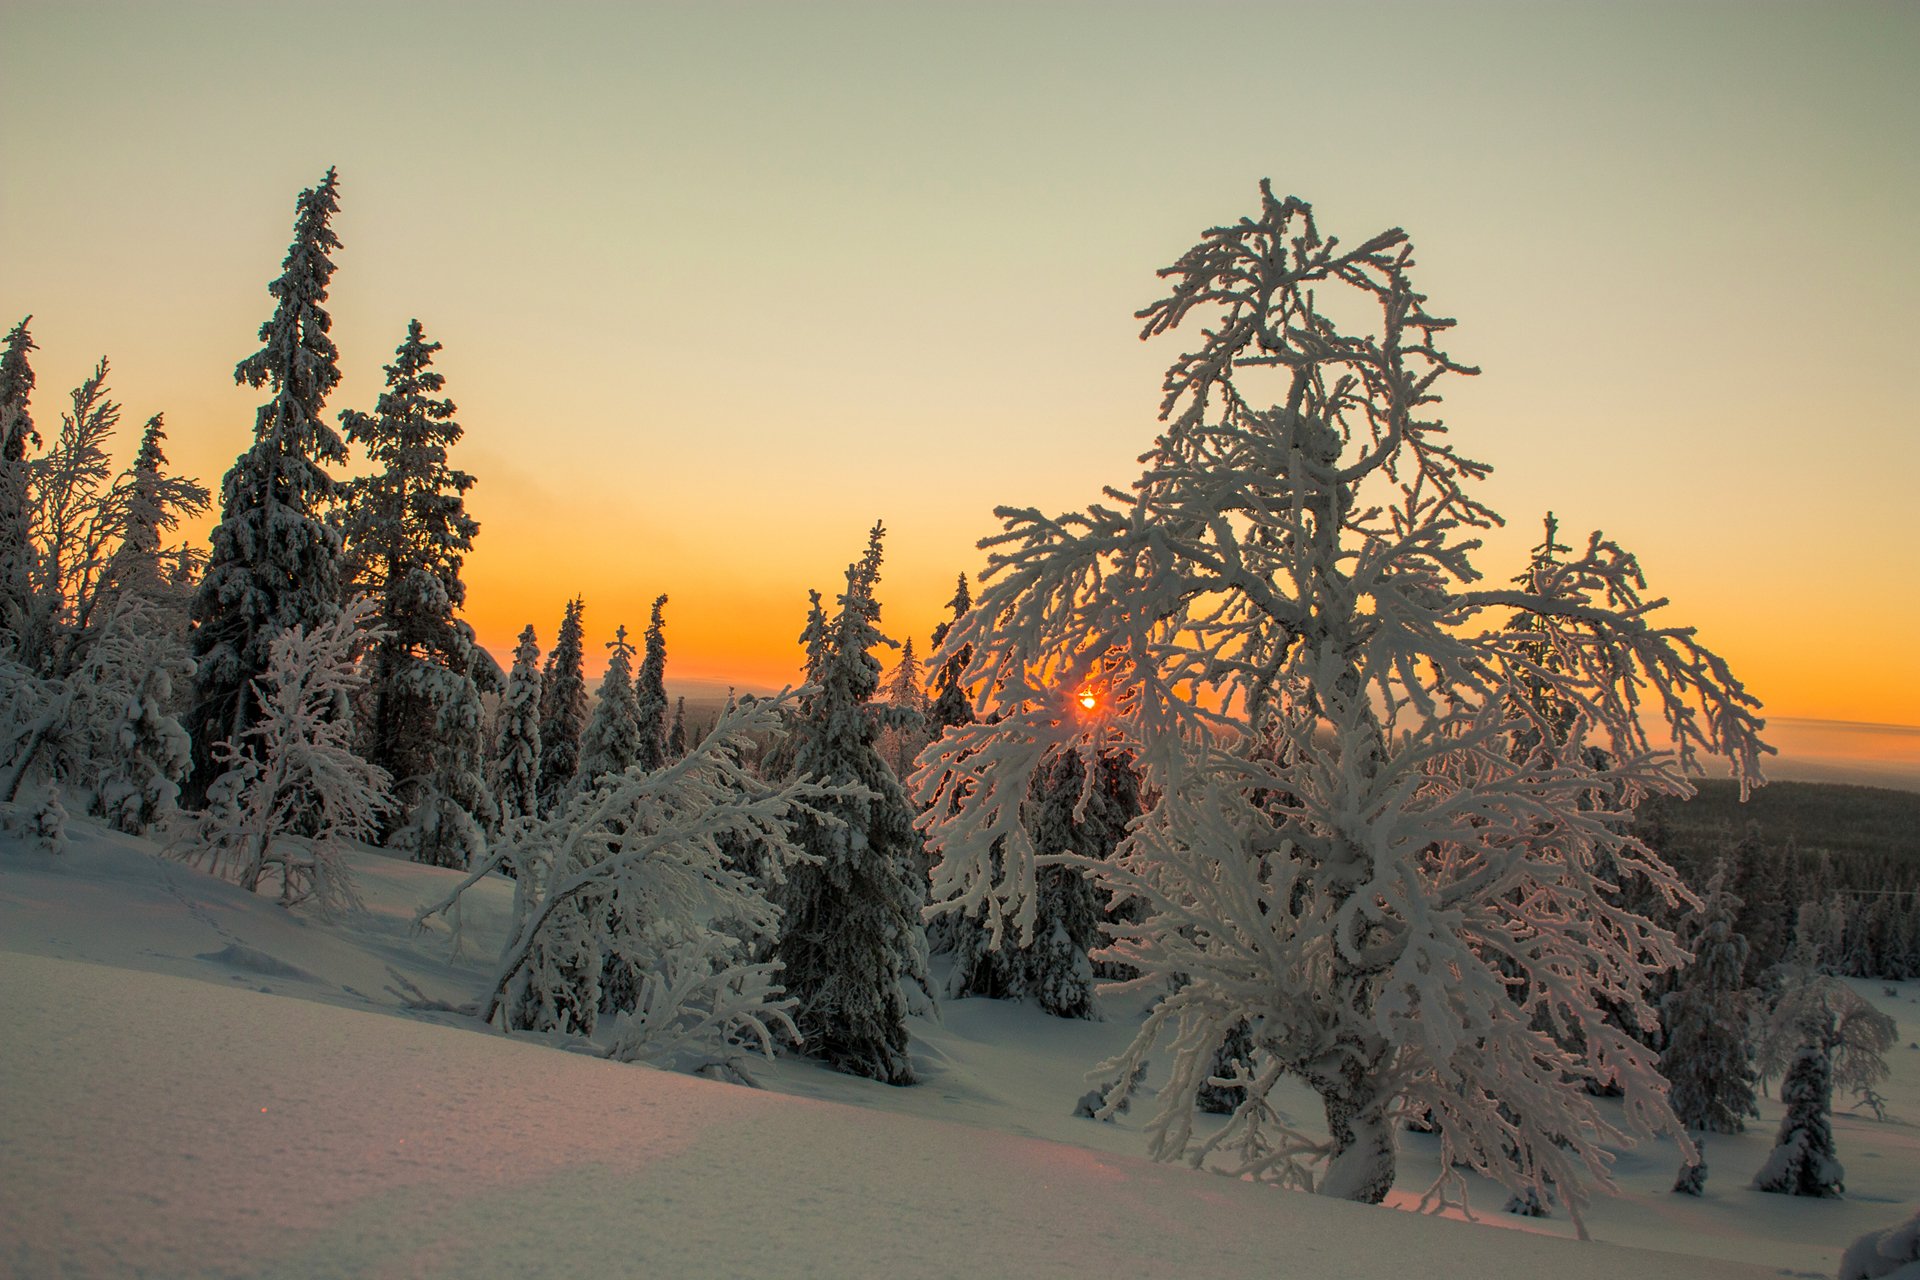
{"type": "Point", "coordinates": [405, 535]}
{"type": "Point", "coordinates": [16, 434]}
{"type": "Point", "coordinates": [1854, 1035]}
{"type": "Point", "coordinates": [650, 694]}
{"type": "Point", "coordinates": [612, 738]}
{"type": "Point", "coordinates": [688, 922]}
{"type": "Point", "coordinates": [563, 707]}
{"type": "Point", "coordinates": [274, 559]}
{"type": "Point", "coordinates": [516, 752]}
{"type": "Point", "coordinates": [1708, 1060]}
{"type": "Point", "coordinates": [1803, 1161]}
{"type": "Point", "coordinates": [293, 792]}
{"type": "Point", "coordinates": [851, 943]}
{"type": "Point", "coordinates": [905, 724]}
{"type": "Point", "coordinates": [1409, 914]}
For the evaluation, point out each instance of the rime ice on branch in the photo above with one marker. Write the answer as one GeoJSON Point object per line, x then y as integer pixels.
{"type": "Point", "coordinates": [1367, 840]}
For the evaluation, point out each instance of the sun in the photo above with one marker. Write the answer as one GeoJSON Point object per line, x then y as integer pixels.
{"type": "Point", "coordinates": [1089, 699]}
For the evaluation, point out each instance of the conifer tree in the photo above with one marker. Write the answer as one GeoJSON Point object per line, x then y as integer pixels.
{"type": "Point", "coordinates": [1709, 1057]}
{"type": "Point", "coordinates": [16, 433]}
{"type": "Point", "coordinates": [677, 735]}
{"type": "Point", "coordinates": [950, 704]}
{"type": "Point", "coordinates": [563, 708]}
{"type": "Point", "coordinates": [274, 560]}
{"type": "Point", "coordinates": [405, 537]}
{"type": "Point", "coordinates": [612, 738]}
{"type": "Point", "coordinates": [851, 940]}
{"type": "Point", "coordinates": [650, 694]}
{"type": "Point", "coordinates": [516, 754]}
{"type": "Point", "coordinates": [1803, 1161]}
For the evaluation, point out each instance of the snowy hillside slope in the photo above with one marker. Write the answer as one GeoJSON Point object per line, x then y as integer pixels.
{"type": "Point", "coordinates": [165, 1110]}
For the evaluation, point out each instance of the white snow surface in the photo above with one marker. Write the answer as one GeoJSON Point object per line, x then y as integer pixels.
{"type": "Point", "coordinates": [197, 1082]}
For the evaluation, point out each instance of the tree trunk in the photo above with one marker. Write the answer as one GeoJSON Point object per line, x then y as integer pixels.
{"type": "Point", "coordinates": [1363, 1161]}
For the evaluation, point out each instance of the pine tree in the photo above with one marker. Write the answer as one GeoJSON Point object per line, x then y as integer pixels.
{"type": "Point", "coordinates": [612, 738]}
{"type": "Point", "coordinates": [405, 536]}
{"type": "Point", "coordinates": [516, 753]}
{"type": "Point", "coordinates": [650, 694]}
{"type": "Point", "coordinates": [274, 561]}
{"type": "Point", "coordinates": [851, 940]}
{"type": "Point", "coordinates": [906, 722]}
{"type": "Point", "coordinates": [563, 708]}
{"type": "Point", "coordinates": [1803, 1161]}
{"type": "Point", "coordinates": [16, 433]}
{"type": "Point", "coordinates": [1709, 1059]}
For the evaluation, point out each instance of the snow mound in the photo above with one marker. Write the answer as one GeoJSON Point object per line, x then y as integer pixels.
{"type": "Point", "coordinates": [239, 956]}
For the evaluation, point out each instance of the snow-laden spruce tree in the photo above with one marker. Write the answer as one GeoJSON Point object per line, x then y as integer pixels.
{"type": "Point", "coordinates": [904, 719]}
{"type": "Point", "coordinates": [677, 733]}
{"type": "Point", "coordinates": [950, 705]}
{"type": "Point", "coordinates": [612, 738]}
{"type": "Point", "coordinates": [16, 434]}
{"type": "Point", "coordinates": [563, 707]}
{"type": "Point", "coordinates": [1081, 803]}
{"type": "Point", "coordinates": [851, 944]}
{"type": "Point", "coordinates": [1708, 1061]}
{"type": "Point", "coordinates": [274, 562]}
{"type": "Point", "coordinates": [1404, 910]}
{"type": "Point", "coordinates": [516, 751]}
{"type": "Point", "coordinates": [405, 535]}
{"type": "Point", "coordinates": [650, 694]}
{"type": "Point", "coordinates": [1803, 1161]}
{"type": "Point", "coordinates": [293, 793]}
{"type": "Point", "coordinates": [689, 921]}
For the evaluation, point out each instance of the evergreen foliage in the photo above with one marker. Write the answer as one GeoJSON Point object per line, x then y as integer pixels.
{"type": "Point", "coordinates": [951, 705]}
{"type": "Point", "coordinates": [650, 694]}
{"type": "Point", "coordinates": [1803, 1161]}
{"type": "Point", "coordinates": [677, 735]}
{"type": "Point", "coordinates": [1709, 1058]}
{"type": "Point", "coordinates": [612, 739]}
{"type": "Point", "coordinates": [851, 942]}
{"type": "Point", "coordinates": [563, 708]}
{"type": "Point", "coordinates": [405, 534]}
{"type": "Point", "coordinates": [274, 559]}
{"type": "Point", "coordinates": [516, 752]}
{"type": "Point", "coordinates": [16, 434]}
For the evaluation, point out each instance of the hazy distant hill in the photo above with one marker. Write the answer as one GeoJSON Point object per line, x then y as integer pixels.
{"type": "Point", "coordinates": [1838, 817]}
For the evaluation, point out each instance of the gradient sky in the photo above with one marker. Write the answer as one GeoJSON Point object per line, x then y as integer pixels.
{"type": "Point", "coordinates": [721, 285]}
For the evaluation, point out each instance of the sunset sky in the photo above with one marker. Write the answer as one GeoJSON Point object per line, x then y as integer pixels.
{"type": "Point", "coordinates": [720, 285]}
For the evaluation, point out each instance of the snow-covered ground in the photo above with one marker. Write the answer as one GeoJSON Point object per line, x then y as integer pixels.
{"type": "Point", "coordinates": [167, 1109]}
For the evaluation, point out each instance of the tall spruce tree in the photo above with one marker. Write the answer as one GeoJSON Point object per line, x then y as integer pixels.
{"type": "Point", "coordinates": [563, 708]}
{"type": "Point", "coordinates": [516, 753]}
{"type": "Point", "coordinates": [405, 537]}
{"type": "Point", "coordinates": [950, 703]}
{"type": "Point", "coordinates": [677, 734]}
{"type": "Point", "coordinates": [650, 694]}
{"type": "Point", "coordinates": [1803, 1161]}
{"type": "Point", "coordinates": [851, 940]}
{"type": "Point", "coordinates": [1709, 1056]}
{"type": "Point", "coordinates": [612, 738]}
{"type": "Point", "coordinates": [274, 562]}
{"type": "Point", "coordinates": [16, 433]}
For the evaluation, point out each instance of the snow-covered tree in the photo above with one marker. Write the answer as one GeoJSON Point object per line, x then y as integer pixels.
{"type": "Point", "coordinates": [1407, 913]}
{"type": "Point", "coordinates": [293, 792]}
{"type": "Point", "coordinates": [633, 870]}
{"type": "Point", "coordinates": [1803, 1161]}
{"type": "Point", "coordinates": [1081, 803]}
{"type": "Point", "coordinates": [1892, 1254]}
{"type": "Point", "coordinates": [274, 560]}
{"type": "Point", "coordinates": [16, 434]}
{"type": "Point", "coordinates": [677, 734]}
{"type": "Point", "coordinates": [516, 752]}
{"type": "Point", "coordinates": [1708, 1060]}
{"type": "Point", "coordinates": [563, 707]}
{"type": "Point", "coordinates": [851, 943]}
{"type": "Point", "coordinates": [951, 706]}
{"type": "Point", "coordinates": [1854, 1035]}
{"type": "Point", "coordinates": [650, 694]}
{"type": "Point", "coordinates": [905, 724]}
{"type": "Point", "coordinates": [612, 738]}
{"type": "Point", "coordinates": [405, 535]}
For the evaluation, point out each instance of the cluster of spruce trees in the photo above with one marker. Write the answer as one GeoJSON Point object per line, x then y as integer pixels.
{"type": "Point", "coordinates": [1776, 928]}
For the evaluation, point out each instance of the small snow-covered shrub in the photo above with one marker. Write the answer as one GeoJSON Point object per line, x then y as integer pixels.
{"type": "Point", "coordinates": [1892, 1254]}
